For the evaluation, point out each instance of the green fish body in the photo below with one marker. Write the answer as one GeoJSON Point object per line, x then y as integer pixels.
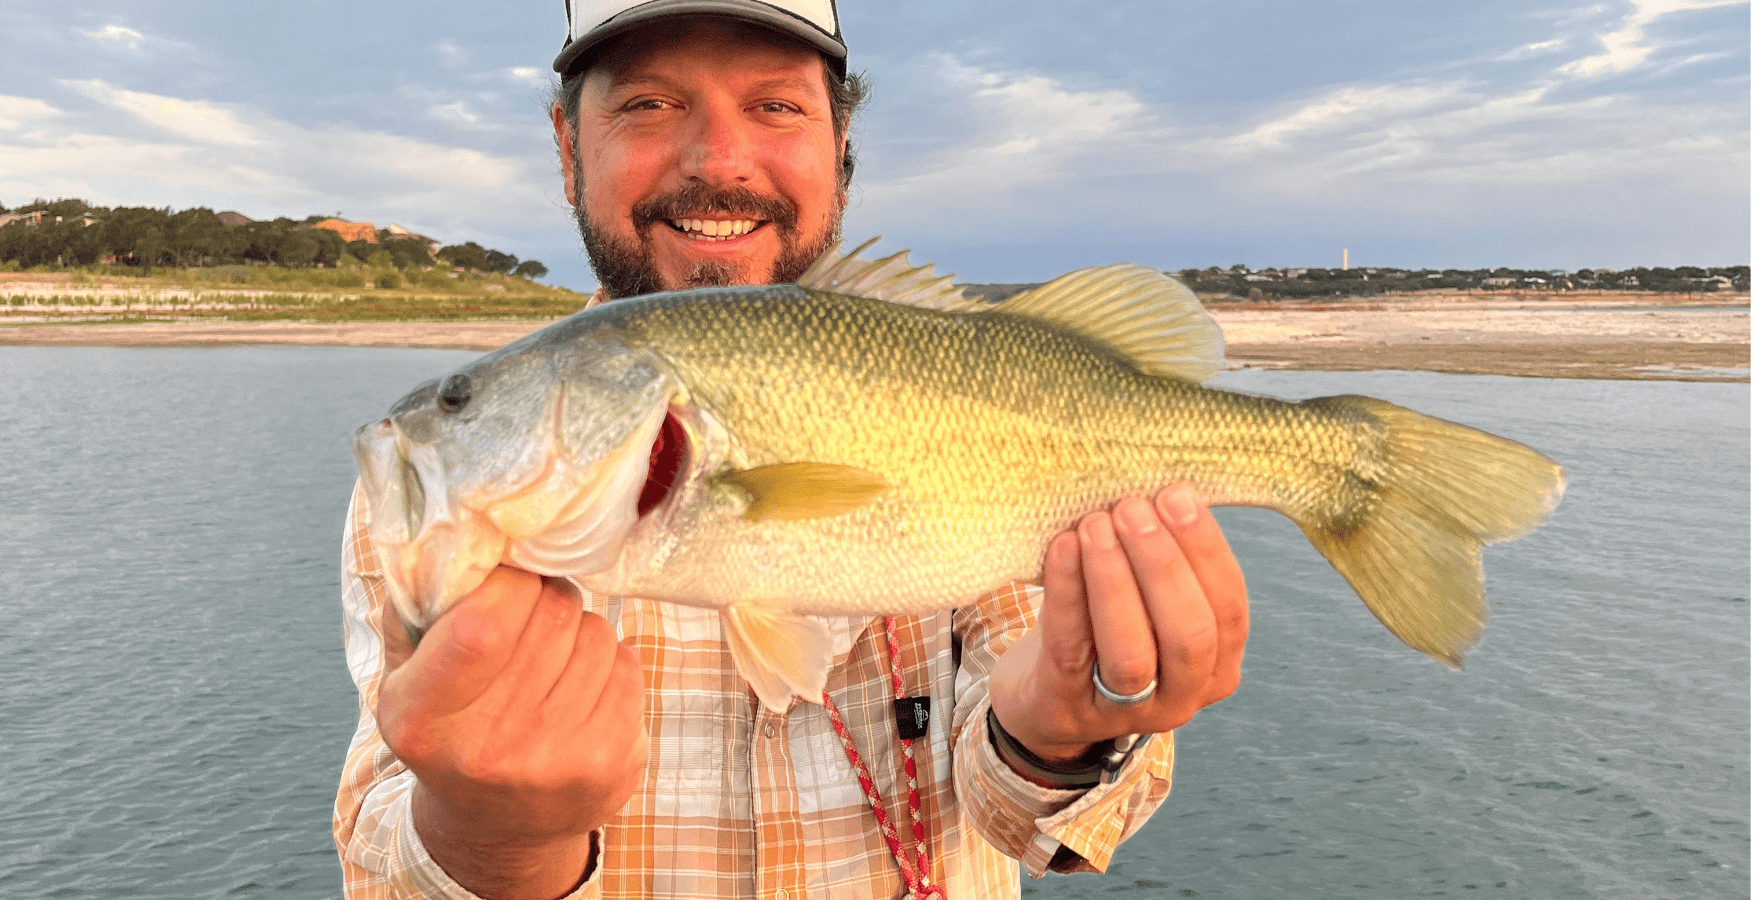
{"type": "Point", "coordinates": [868, 442]}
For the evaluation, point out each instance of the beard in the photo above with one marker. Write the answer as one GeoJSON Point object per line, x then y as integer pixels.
{"type": "Point", "coordinates": [628, 267]}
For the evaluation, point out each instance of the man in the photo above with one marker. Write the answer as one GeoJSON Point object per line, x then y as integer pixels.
{"type": "Point", "coordinates": [542, 744]}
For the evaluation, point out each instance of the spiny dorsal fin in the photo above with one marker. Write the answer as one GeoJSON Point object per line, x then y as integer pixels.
{"type": "Point", "coordinates": [805, 490]}
{"type": "Point", "coordinates": [890, 279]}
{"type": "Point", "coordinates": [1141, 313]}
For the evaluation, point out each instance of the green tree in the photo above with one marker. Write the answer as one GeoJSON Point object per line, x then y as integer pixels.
{"type": "Point", "coordinates": [296, 250]}
{"type": "Point", "coordinates": [532, 269]}
{"type": "Point", "coordinates": [469, 256]}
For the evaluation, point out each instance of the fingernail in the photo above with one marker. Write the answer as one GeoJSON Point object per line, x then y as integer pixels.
{"type": "Point", "coordinates": [1137, 516]}
{"type": "Point", "coordinates": [1063, 556]}
{"type": "Point", "coordinates": [1178, 505]}
{"type": "Point", "coordinates": [1097, 532]}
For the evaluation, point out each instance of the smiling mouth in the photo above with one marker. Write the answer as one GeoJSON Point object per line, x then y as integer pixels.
{"type": "Point", "coordinates": [714, 229]}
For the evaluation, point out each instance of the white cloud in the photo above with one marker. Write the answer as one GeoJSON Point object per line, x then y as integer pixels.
{"type": "Point", "coordinates": [1628, 46]}
{"type": "Point", "coordinates": [1523, 135]}
{"type": "Point", "coordinates": [456, 113]}
{"type": "Point", "coordinates": [120, 34]}
{"type": "Point", "coordinates": [1346, 109]}
{"type": "Point", "coordinates": [1026, 130]}
{"type": "Point", "coordinates": [234, 156]}
{"type": "Point", "coordinates": [196, 120]}
{"type": "Point", "coordinates": [16, 111]}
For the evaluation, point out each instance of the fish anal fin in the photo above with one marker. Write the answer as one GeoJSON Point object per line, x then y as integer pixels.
{"type": "Point", "coordinates": [1151, 319]}
{"type": "Point", "coordinates": [781, 655]}
{"type": "Point", "coordinates": [805, 490]}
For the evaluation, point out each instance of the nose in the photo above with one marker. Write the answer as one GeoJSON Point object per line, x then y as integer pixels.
{"type": "Point", "coordinates": [719, 148]}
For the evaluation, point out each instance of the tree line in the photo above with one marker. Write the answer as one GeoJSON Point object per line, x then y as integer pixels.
{"type": "Point", "coordinates": [1241, 281]}
{"type": "Point", "coordinates": [74, 233]}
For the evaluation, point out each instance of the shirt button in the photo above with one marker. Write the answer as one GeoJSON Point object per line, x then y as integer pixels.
{"type": "Point", "coordinates": [768, 732]}
{"type": "Point", "coordinates": [781, 893]}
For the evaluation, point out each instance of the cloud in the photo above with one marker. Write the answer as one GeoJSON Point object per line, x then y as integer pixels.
{"type": "Point", "coordinates": [120, 34]}
{"type": "Point", "coordinates": [1346, 109]}
{"type": "Point", "coordinates": [195, 120]}
{"type": "Point", "coordinates": [202, 153]}
{"type": "Point", "coordinates": [455, 113]}
{"type": "Point", "coordinates": [1024, 129]}
{"type": "Point", "coordinates": [16, 111]}
{"type": "Point", "coordinates": [1628, 46]}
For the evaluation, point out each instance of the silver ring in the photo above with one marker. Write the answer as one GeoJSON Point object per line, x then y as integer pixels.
{"type": "Point", "coordinates": [1122, 699]}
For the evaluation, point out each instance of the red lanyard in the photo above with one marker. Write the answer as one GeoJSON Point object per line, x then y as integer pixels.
{"type": "Point", "coordinates": [916, 873]}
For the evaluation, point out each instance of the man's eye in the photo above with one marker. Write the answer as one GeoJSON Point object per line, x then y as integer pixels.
{"type": "Point", "coordinates": [776, 107]}
{"type": "Point", "coordinates": [645, 105]}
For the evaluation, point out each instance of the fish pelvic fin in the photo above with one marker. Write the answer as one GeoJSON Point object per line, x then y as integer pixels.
{"type": "Point", "coordinates": [781, 656]}
{"type": "Point", "coordinates": [805, 490]}
{"type": "Point", "coordinates": [1431, 494]}
{"type": "Point", "coordinates": [1149, 318]}
{"type": "Point", "coordinates": [890, 279]}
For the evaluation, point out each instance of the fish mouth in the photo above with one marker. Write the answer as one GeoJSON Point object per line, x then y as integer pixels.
{"type": "Point", "coordinates": [665, 465]}
{"type": "Point", "coordinates": [563, 517]}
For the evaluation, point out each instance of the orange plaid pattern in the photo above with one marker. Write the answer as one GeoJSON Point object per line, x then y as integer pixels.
{"type": "Point", "coordinates": [741, 802]}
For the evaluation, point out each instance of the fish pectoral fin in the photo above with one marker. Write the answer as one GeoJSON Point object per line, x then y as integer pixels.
{"type": "Point", "coordinates": [1148, 317]}
{"type": "Point", "coordinates": [805, 490]}
{"type": "Point", "coordinates": [781, 655]}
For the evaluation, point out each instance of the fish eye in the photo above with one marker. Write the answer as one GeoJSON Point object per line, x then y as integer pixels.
{"type": "Point", "coordinates": [454, 392]}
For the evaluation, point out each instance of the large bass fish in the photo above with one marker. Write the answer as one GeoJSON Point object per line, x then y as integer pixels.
{"type": "Point", "coordinates": [869, 441]}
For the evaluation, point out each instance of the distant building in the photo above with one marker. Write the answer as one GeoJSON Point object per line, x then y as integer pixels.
{"type": "Point", "coordinates": [350, 231]}
{"type": "Point", "coordinates": [234, 219]}
{"type": "Point", "coordinates": [399, 231]}
{"type": "Point", "coordinates": [34, 218]}
{"type": "Point", "coordinates": [1498, 282]}
{"type": "Point", "coordinates": [30, 218]}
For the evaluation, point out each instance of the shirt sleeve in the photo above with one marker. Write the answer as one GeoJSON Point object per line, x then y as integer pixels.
{"type": "Point", "coordinates": [1045, 829]}
{"type": "Point", "coordinates": [381, 853]}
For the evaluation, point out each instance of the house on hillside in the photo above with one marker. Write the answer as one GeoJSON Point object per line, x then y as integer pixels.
{"type": "Point", "coordinates": [35, 218]}
{"type": "Point", "coordinates": [350, 231]}
{"type": "Point", "coordinates": [399, 231]}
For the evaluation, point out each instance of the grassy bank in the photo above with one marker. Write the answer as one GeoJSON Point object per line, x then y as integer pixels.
{"type": "Point", "coordinates": [347, 293]}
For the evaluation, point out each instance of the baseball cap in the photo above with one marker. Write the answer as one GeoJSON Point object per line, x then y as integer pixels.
{"type": "Point", "coordinates": [591, 22]}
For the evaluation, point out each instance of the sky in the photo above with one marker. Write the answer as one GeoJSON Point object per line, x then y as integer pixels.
{"type": "Point", "coordinates": [1005, 141]}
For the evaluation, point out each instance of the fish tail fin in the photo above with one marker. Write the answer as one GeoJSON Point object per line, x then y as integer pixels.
{"type": "Point", "coordinates": [1429, 493]}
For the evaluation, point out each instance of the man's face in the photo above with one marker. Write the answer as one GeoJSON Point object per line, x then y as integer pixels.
{"type": "Point", "coordinates": [706, 155]}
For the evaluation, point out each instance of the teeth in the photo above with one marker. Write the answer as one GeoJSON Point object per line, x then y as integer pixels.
{"type": "Point", "coordinates": [716, 228]}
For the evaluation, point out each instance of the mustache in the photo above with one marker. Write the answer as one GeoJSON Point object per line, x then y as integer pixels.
{"type": "Point", "coordinates": [698, 200]}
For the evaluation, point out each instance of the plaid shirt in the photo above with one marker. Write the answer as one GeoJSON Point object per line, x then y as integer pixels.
{"type": "Point", "coordinates": [739, 801]}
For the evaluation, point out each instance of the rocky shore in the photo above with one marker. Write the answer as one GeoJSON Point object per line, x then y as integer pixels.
{"type": "Point", "coordinates": [1652, 337]}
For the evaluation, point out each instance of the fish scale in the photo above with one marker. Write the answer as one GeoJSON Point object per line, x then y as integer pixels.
{"type": "Point", "coordinates": [905, 450]}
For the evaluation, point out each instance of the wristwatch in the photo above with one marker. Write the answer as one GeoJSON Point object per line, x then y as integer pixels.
{"type": "Point", "coordinates": [1099, 766]}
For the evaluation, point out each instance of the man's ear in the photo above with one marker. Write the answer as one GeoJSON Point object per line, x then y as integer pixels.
{"type": "Point", "coordinates": [569, 147]}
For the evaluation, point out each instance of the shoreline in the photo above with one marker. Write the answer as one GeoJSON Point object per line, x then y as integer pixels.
{"type": "Point", "coordinates": [1664, 341]}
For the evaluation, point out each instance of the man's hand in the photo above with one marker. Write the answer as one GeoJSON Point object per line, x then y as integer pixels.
{"type": "Point", "coordinates": [521, 718]}
{"type": "Point", "coordinates": [1148, 590]}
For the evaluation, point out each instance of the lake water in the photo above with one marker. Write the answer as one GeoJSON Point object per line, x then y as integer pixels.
{"type": "Point", "coordinates": [174, 706]}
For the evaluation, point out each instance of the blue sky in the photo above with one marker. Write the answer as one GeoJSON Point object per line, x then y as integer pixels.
{"type": "Point", "coordinates": [1006, 141]}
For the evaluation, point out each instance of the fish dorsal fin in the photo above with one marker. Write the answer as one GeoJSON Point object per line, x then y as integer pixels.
{"type": "Point", "coordinates": [1146, 316]}
{"type": "Point", "coordinates": [890, 279]}
{"type": "Point", "coordinates": [805, 490]}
